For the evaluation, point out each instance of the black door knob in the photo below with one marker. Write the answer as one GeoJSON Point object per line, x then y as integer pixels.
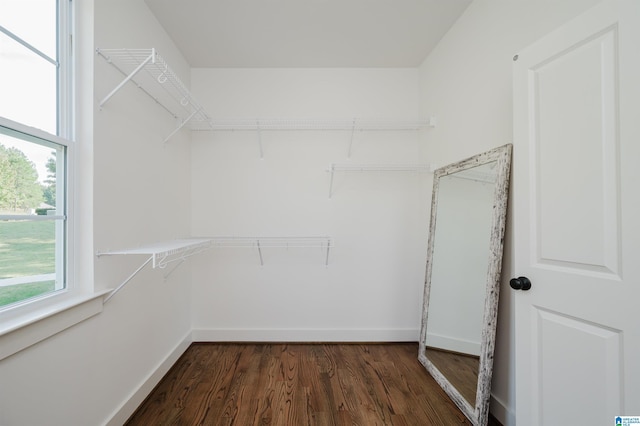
{"type": "Point", "coordinates": [520, 283]}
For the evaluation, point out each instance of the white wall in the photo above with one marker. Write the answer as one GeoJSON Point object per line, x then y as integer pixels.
{"type": "Point", "coordinates": [372, 287]}
{"type": "Point", "coordinates": [87, 374]}
{"type": "Point", "coordinates": [466, 83]}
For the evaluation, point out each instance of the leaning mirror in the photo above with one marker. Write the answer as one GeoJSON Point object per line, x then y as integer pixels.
{"type": "Point", "coordinates": [462, 281]}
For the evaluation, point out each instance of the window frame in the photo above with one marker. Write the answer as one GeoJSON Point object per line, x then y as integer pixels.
{"type": "Point", "coordinates": [26, 323]}
{"type": "Point", "coordinates": [64, 137]}
{"type": "Point", "coordinates": [61, 219]}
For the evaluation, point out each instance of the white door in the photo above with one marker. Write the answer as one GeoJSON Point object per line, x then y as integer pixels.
{"type": "Point", "coordinates": [576, 201]}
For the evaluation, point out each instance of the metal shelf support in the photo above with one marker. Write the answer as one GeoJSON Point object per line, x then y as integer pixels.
{"type": "Point", "coordinates": [150, 58]}
{"type": "Point", "coordinates": [117, 289]}
{"type": "Point", "coordinates": [151, 74]}
{"type": "Point", "coordinates": [160, 255]}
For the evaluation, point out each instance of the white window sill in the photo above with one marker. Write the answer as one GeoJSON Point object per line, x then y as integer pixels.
{"type": "Point", "coordinates": [23, 331]}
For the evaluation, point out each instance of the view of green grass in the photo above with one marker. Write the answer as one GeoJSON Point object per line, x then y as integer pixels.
{"type": "Point", "coordinates": [26, 248]}
{"type": "Point", "coordinates": [15, 293]}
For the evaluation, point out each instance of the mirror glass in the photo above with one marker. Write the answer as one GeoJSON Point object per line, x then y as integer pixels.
{"type": "Point", "coordinates": [462, 280]}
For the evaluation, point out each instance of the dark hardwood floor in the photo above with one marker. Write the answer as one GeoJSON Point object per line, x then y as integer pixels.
{"type": "Point", "coordinates": [298, 384]}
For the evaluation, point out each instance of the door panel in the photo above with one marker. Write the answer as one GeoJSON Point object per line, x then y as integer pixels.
{"type": "Point", "coordinates": [558, 363]}
{"type": "Point", "coordinates": [576, 210]}
{"type": "Point", "coordinates": [575, 156]}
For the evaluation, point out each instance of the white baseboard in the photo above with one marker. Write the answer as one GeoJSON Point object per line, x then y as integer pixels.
{"type": "Point", "coordinates": [305, 335]}
{"type": "Point", "coordinates": [138, 395]}
{"type": "Point", "coordinates": [500, 411]}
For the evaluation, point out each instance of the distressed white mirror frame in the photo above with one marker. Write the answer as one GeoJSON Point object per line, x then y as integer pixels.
{"type": "Point", "coordinates": [479, 413]}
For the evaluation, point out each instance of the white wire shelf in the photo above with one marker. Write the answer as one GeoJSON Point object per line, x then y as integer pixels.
{"type": "Point", "coordinates": [312, 124]}
{"type": "Point", "coordinates": [320, 242]}
{"type": "Point", "coordinates": [163, 253]}
{"type": "Point", "coordinates": [160, 255]}
{"type": "Point", "coordinates": [333, 168]}
{"type": "Point", "coordinates": [149, 71]}
{"type": "Point", "coordinates": [350, 124]}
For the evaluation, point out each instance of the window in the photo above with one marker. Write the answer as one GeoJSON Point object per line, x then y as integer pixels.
{"type": "Point", "coordinates": [32, 215]}
{"type": "Point", "coordinates": [35, 144]}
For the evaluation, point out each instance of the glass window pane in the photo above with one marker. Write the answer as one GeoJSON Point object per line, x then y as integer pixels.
{"type": "Point", "coordinates": [28, 86]}
{"type": "Point", "coordinates": [27, 174]}
{"type": "Point", "coordinates": [28, 82]}
{"type": "Point", "coordinates": [27, 260]}
{"type": "Point", "coordinates": [34, 21]}
{"type": "Point", "coordinates": [31, 249]}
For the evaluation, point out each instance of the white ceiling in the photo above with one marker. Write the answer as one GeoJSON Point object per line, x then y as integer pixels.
{"type": "Point", "coordinates": [306, 33]}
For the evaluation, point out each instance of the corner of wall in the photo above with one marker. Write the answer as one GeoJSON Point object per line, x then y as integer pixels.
{"type": "Point", "coordinates": [133, 401]}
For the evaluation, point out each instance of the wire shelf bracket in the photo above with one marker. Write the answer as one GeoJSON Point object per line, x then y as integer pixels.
{"type": "Point", "coordinates": [151, 74]}
{"type": "Point", "coordinates": [160, 255]}
{"type": "Point", "coordinates": [333, 168]}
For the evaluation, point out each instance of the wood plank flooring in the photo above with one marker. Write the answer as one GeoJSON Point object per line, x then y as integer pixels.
{"type": "Point", "coordinates": [298, 384]}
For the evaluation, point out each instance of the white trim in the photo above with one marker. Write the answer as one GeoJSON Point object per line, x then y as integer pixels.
{"type": "Point", "coordinates": [306, 335]}
{"type": "Point", "coordinates": [65, 77]}
{"type": "Point", "coordinates": [26, 330]}
{"type": "Point", "coordinates": [33, 134]}
{"type": "Point", "coordinates": [30, 217]}
{"type": "Point", "coordinates": [500, 411]}
{"type": "Point", "coordinates": [133, 401]}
